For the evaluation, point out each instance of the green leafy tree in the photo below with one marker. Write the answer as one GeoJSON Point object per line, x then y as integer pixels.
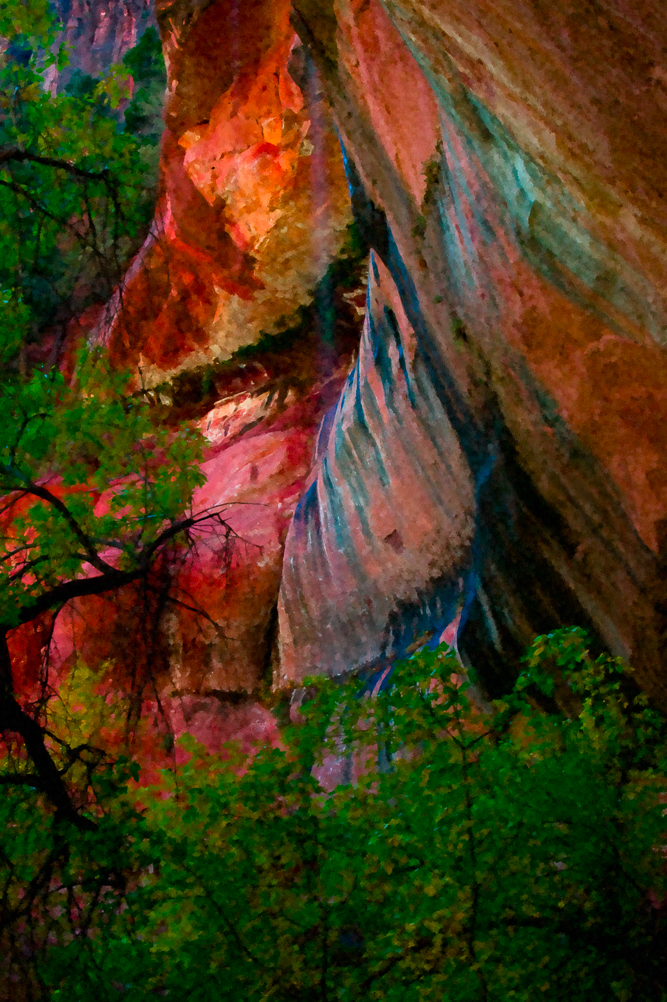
{"type": "Point", "coordinates": [512, 854]}
{"type": "Point", "coordinates": [77, 177]}
{"type": "Point", "coordinates": [95, 488]}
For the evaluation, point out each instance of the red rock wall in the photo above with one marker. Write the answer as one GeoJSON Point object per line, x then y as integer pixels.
{"type": "Point", "coordinates": [510, 169]}
{"type": "Point", "coordinates": [253, 210]}
{"type": "Point", "coordinates": [99, 34]}
{"type": "Point", "coordinates": [493, 465]}
{"type": "Point", "coordinates": [253, 203]}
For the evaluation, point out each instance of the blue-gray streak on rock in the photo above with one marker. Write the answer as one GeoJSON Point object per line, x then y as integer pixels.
{"type": "Point", "coordinates": [381, 539]}
{"type": "Point", "coordinates": [550, 224]}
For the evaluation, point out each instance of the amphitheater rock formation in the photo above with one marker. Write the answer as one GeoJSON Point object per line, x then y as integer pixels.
{"type": "Point", "coordinates": [453, 411]}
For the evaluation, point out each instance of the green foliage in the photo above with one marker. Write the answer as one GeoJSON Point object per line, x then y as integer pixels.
{"type": "Point", "coordinates": [76, 193]}
{"type": "Point", "coordinates": [55, 880]}
{"type": "Point", "coordinates": [432, 173]}
{"type": "Point", "coordinates": [143, 116]}
{"type": "Point", "coordinates": [508, 855]}
{"type": "Point", "coordinates": [418, 231]}
{"type": "Point", "coordinates": [77, 180]}
{"type": "Point", "coordinates": [115, 478]}
{"type": "Point", "coordinates": [459, 332]}
{"type": "Point", "coordinates": [30, 21]}
{"type": "Point", "coordinates": [94, 487]}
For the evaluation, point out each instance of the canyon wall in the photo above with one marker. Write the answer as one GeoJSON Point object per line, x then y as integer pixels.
{"type": "Point", "coordinates": [507, 163]}
{"type": "Point", "coordinates": [242, 311]}
{"type": "Point", "coordinates": [481, 457]}
{"type": "Point", "coordinates": [99, 34]}
{"type": "Point", "coordinates": [253, 204]}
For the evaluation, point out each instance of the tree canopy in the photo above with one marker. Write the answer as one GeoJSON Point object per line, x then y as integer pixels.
{"type": "Point", "coordinates": [514, 853]}
{"type": "Point", "coordinates": [77, 176]}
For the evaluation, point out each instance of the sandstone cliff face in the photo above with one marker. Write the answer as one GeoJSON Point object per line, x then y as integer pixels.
{"type": "Point", "coordinates": [508, 161]}
{"type": "Point", "coordinates": [251, 239]}
{"type": "Point", "coordinates": [253, 204]}
{"type": "Point", "coordinates": [99, 34]}
{"type": "Point", "coordinates": [492, 464]}
{"type": "Point", "coordinates": [381, 540]}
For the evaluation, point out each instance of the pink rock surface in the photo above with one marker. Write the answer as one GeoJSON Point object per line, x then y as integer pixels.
{"type": "Point", "coordinates": [389, 513]}
{"type": "Point", "coordinates": [215, 633]}
{"type": "Point", "coordinates": [99, 33]}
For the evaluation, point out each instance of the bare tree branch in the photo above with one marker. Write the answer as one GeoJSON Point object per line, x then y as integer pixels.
{"type": "Point", "coordinates": [48, 778]}
{"type": "Point", "coordinates": [14, 719]}
{"type": "Point", "coordinates": [24, 156]}
{"type": "Point", "coordinates": [38, 491]}
{"type": "Point", "coordinates": [22, 779]}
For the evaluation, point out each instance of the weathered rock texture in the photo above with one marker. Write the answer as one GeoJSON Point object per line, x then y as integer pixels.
{"type": "Point", "coordinates": [507, 161]}
{"type": "Point", "coordinates": [209, 624]}
{"type": "Point", "coordinates": [253, 204]}
{"type": "Point", "coordinates": [99, 34]}
{"type": "Point", "coordinates": [378, 550]}
{"type": "Point", "coordinates": [251, 239]}
{"type": "Point", "coordinates": [494, 462]}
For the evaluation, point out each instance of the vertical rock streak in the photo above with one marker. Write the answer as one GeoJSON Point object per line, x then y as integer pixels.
{"type": "Point", "coordinates": [383, 534]}
{"type": "Point", "coordinates": [494, 463]}
{"type": "Point", "coordinates": [532, 279]}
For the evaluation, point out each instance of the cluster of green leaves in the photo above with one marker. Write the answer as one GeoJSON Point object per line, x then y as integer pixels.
{"type": "Point", "coordinates": [94, 488]}
{"type": "Point", "coordinates": [509, 854]}
{"type": "Point", "coordinates": [53, 884]}
{"type": "Point", "coordinates": [90, 477]}
{"type": "Point", "coordinates": [77, 178]}
{"type": "Point", "coordinates": [143, 115]}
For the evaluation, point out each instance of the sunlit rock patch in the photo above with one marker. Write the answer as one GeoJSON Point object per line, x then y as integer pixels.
{"type": "Point", "coordinates": [253, 205]}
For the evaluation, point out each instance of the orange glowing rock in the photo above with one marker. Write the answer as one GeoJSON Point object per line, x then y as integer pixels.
{"type": "Point", "coordinates": [253, 205]}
